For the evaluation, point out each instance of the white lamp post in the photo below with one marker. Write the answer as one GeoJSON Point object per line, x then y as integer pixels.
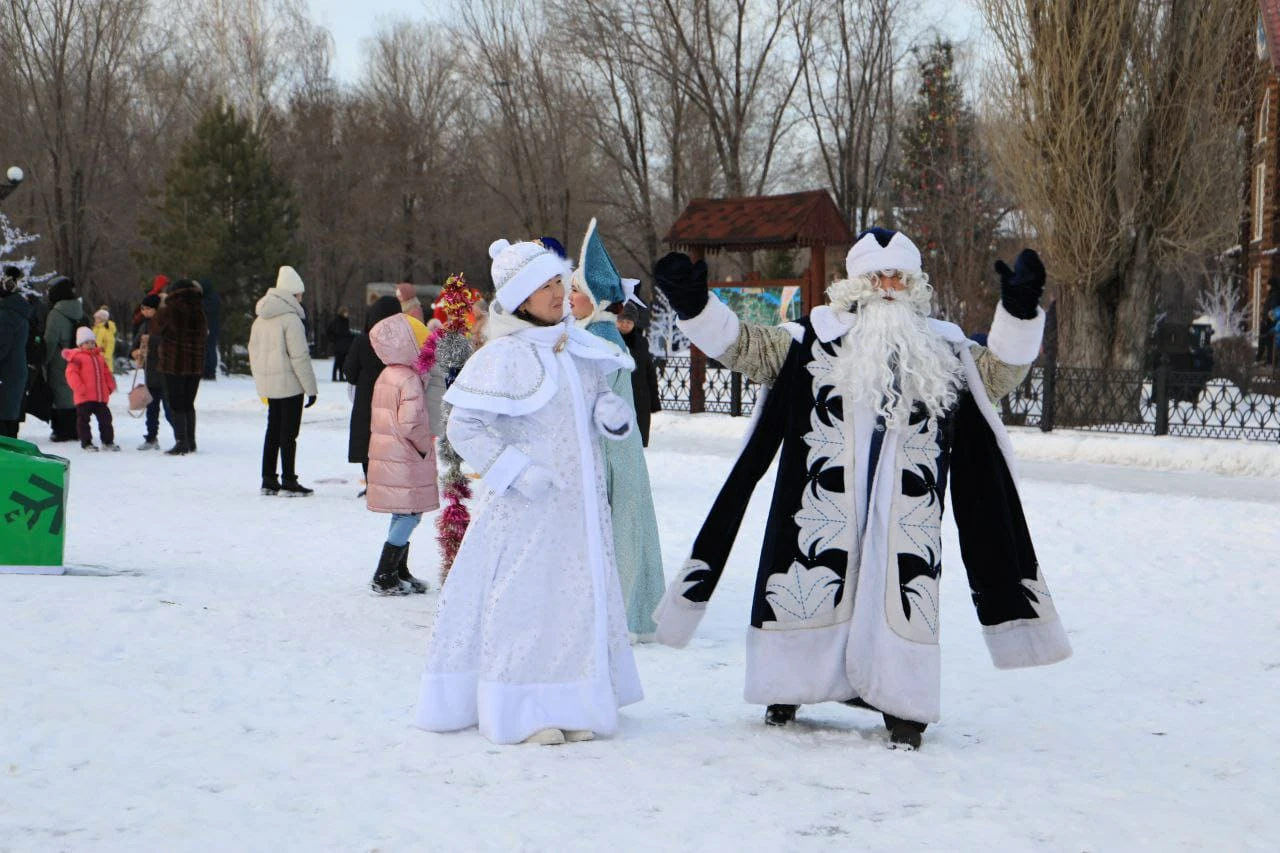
{"type": "Point", "coordinates": [14, 177]}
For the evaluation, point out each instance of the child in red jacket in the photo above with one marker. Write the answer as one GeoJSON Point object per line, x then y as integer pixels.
{"type": "Point", "coordinates": [91, 386]}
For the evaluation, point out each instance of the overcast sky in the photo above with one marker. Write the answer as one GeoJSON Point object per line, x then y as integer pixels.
{"type": "Point", "coordinates": [352, 21]}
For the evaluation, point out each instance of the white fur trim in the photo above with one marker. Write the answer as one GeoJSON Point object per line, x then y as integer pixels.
{"type": "Point", "coordinates": [529, 278]}
{"type": "Point", "coordinates": [1015, 341]}
{"type": "Point", "coordinates": [1027, 642]}
{"type": "Point", "coordinates": [677, 617]}
{"type": "Point", "coordinates": [504, 470]}
{"type": "Point", "coordinates": [868, 256]}
{"type": "Point", "coordinates": [797, 667]}
{"type": "Point", "coordinates": [795, 330]}
{"type": "Point", "coordinates": [830, 324]}
{"type": "Point", "coordinates": [714, 330]}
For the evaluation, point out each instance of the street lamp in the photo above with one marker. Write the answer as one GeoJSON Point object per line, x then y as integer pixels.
{"type": "Point", "coordinates": [14, 177]}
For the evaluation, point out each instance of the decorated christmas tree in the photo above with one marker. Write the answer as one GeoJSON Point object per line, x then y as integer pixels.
{"type": "Point", "coordinates": [453, 346]}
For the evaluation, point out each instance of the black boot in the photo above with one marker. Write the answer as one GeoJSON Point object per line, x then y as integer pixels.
{"type": "Point", "coordinates": [291, 488]}
{"type": "Point", "coordinates": [180, 447]}
{"type": "Point", "coordinates": [386, 580]}
{"type": "Point", "coordinates": [780, 715]}
{"type": "Point", "coordinates": [414, 584]}
{"type": "Point", "coordinates": [270, 486]}
{"type": "Point", "coordinates": [904, 734]}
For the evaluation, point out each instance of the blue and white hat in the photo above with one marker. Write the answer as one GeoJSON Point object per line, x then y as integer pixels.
{"type": "Point", "coordinates": [602, 278]}
{"type": "Point", "coordinates": [881, 249]}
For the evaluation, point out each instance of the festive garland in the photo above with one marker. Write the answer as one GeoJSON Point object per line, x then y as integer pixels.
{"type": "Point", "coordinates": [452, 346]}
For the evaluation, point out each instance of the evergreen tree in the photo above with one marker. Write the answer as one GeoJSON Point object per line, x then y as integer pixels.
{"type": "Point", "coordinates": [946, 202]}
{"type": "Point", "coordinates": [226, 218]}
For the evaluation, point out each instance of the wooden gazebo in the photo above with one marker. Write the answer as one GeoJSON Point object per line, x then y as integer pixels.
{"type": "Point", "coordinates": [807, 220]}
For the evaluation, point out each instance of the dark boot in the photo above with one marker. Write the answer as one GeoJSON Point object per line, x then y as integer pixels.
{"type": "Point", "coordinates": [386, 579]}
{"type": "Point", "coordinates": [416, 585]}
{"type": "Point", "coordinates": [270, 486]}
{"type": "Point", "coordinates": [180, 447]}
{"type": "Point", "coordinates": [191, 431]}
{"type": "Point", "coordinates": [904, 734]}
{"type": "Point", "coordinates": [293, 489]}
{"type": "Point", "coordinates": [780, 715]}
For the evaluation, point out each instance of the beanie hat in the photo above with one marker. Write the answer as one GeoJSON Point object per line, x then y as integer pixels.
{"type": "Point", "coordinates": [880, 249]}
{"type": "Point", "coordinates": [61, 290]}
{"type": "Point", "coordinates": [289, 281]}
{"type": "Point", "coordinates": [519, 269]}
{"type": "Point", "coordinates": [151, 300]}
{"type": "Point", "coordinates": [84, 335]}
{"type": "Point", "coordinates": [102, 315]}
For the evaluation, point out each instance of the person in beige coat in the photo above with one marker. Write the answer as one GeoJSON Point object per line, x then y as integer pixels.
{"type": "Point", "coordinates": [402, 455]}
{"type": "Point", "coordinates": [281, 364]}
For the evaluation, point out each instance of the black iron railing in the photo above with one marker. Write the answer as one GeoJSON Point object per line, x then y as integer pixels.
{"type": "Point", "coordinates": [1163, 402]}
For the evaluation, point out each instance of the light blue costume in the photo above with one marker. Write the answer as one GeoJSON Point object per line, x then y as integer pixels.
{"type": "Point", "coordinates": [635, 527]}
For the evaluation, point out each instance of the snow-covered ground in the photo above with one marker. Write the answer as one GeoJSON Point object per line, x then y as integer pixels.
{"type": "Point", "coordinates": [215, 676]}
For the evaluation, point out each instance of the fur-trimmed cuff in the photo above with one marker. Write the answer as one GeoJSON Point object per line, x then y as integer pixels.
{"type": "Point", "coordinates": [503, 471]}
{"type": "Point", "coordinates": [676, 616]}
{"type": "Point", "coordinates": [1027, 642]}
{"type": "Point", "coordinates": [1015, 341]}
{"type": "Point", "coordinates": [714, 330]}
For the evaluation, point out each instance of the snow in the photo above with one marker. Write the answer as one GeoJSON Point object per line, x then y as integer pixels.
{"type": "Point", "coordinates": [214, 676]}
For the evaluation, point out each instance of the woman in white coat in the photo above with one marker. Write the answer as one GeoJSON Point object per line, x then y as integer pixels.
{"type": "Point", "coordinates": [530, 638]}
{"type": "Point", "coordinates": [280, 361]}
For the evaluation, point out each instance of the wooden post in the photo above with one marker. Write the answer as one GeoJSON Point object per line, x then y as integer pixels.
{"type": "Point", "coordinates": [697, 376]}
{"type": "Point", "coordinates": [815, 285]}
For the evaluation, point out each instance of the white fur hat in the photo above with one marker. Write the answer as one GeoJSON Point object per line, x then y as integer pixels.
{"type": "Point", "coordinates": [521, 268]}
{"type": "Point", "coordinates": [289, 281]}
{"type": "Point", "coordinates": [880, 249]}
{"type": "Point", "coordinates": [84, 335]}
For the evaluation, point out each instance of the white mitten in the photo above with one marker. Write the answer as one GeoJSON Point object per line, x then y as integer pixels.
{"type": "Point", "coordinates": [534, 482]}
{"type": "Point", "coordinates": [613, 416]}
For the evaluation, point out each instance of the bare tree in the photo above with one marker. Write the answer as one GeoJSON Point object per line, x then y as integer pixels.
{"type": "Point", "coordinates": [1120, 142]}
{"type": "Point", "coordinates": [851, 101]}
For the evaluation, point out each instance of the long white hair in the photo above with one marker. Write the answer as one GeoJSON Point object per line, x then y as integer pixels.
{"type": "Point", "coordinates": [890, 360]}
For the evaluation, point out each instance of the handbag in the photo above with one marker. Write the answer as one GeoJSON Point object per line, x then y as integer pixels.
{"type": "Point", "coordinates": [139, 398]}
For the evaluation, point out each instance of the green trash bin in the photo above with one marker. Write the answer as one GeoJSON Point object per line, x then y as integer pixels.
{"type": "Point", "coordinates": [33, 499]}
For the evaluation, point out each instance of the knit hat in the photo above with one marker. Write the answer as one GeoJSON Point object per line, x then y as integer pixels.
{"type": "Point", "coordinates": [9, 278]}
{"type": "Point", "coordinates": [151, 300]}
{"type": "Point", "coordinates": [289, 281]}
{"type": "Point", "coordinates": [61, 290]}
{"type": "Point", "coordinates": [519, 269]}
{"type": "Point", "coordinates": [409, 302]}
{"type": "Point", "coordinates": [84, 335]}
{"type": "Point", "coordinates": [102, 315]}
{"type": "Point", "coordinates": [880, 249]}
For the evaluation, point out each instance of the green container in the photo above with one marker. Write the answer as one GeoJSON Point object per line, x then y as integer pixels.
{"type": "Point", "coordinates": [33, 508]}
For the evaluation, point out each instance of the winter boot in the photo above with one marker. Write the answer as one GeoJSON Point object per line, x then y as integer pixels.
{"type": "Point", "coordinates": [386, 579]}
{"type": "Point", "coordinates": [91, 447]}
{"type": "Point", "coordinates": [416, 585]}
{"type": "Point", "coordinates": [149, 444]}
{"type": "Point", "coordinates": [114, 448]}
{"type": "Point", "coordinates": [780, 715]}
{"type": "Point", "coordinates": [903, 734]}
{"type": "Point", "coordinates": [270, 487]}
{"type": "Point", "coordinates": [546, 737]}
{"type": "Point", "coordinates": [294, 489]}
{"type": "Point", "coordinates": [191, 431]}
{"type": "Point", "coordinates": [578, 735]}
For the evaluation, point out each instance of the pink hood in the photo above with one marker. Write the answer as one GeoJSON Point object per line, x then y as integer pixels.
{"type": "Point", "coordinates": [392, 340]}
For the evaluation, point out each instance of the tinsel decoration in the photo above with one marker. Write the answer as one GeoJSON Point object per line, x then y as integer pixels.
{"type": "Point", "coordinates": [452, 346]}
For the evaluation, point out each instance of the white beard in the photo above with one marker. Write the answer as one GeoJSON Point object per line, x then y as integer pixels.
{"type": "Point", "coordinates": [890, 360]}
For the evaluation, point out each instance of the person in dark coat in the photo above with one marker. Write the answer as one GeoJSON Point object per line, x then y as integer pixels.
{"type": "Point", "coordinates": [362, 368]}
{"type": "Point", "coordinates": [15, 324]}
{"type": "Point", "coordinates": [146, 354]}
{"type": "Point", "coordinates": [183, 331]}
{"type": "Point", "coordinates": [65, 316]}
{"type": "Point", "coordinates": [644, 379]}
{"type": "Point", "coordinates": [213, 318]}
{"type": "Point", "coordinates": [339, 332]}
{"type": "Point", "coordinates": [39, 400]}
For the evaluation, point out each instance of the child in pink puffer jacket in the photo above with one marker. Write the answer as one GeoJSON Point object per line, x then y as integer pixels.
{"type": "Point", "coordinates": [402, 456]}
{"type": "Point", "coordinates": [91, 386]}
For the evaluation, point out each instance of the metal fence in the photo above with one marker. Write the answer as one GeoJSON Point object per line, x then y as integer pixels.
{"type": "Point", "coordinates": [1163, 402]}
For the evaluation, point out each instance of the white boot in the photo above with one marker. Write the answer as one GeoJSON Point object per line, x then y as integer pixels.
{"type": "Point", "coordinates": [578, 735]}
{"type": "Point", "coordinates": [546, 737]}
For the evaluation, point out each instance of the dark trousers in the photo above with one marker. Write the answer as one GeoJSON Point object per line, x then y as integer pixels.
{"type": "Point", "coordinates": [181, 391]}
{"type": "Point", "coordinates": [63, 422]}
{"type": "Point", "coordinates": [339, 359]}
{"type": "Point", "coordinates": [99, 410]}
{"type": "Point", "coordinates": [158, 399]}
{"type": "Point", "coordinates": [9, 429]}
{"type": "Point", "coordinates": [284, 419]}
